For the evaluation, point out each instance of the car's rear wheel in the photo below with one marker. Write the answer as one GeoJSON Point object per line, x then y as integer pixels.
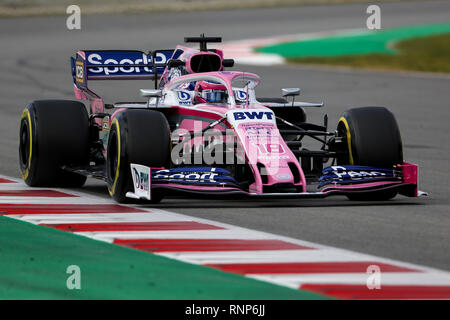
{"type": "Point", "coordinates": [371, 138]}
{"type": "Point", "coordinates": [53, 134]}
{"type": "Point", "coordinates": [139, 137]}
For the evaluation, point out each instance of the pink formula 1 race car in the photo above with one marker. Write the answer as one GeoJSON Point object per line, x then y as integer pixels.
{"type": "Point", "coordinates": [203, 130]}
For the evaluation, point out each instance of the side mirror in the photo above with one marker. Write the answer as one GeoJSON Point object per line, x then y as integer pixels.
{"type": "Point", "coordinates": [227, 63]}
{"type": "Point", "coordinates": [174, 63]}
{"type": "Point", "coordinates": [290, 92]}
{"type": "Point", "coordinates": [151, 93]}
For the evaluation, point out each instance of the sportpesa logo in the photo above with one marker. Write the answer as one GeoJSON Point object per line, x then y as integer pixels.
{"type": "Point", "coordinates": [187, 176]}
{"type": "Point", "coordinates": [122, 58]}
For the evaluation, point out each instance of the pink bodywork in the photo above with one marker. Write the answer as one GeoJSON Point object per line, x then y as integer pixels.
{"type": "Point", "coordinates": [268, 149]}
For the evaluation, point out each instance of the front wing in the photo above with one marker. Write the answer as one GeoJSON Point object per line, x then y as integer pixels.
{"type": "Point", "coordinates": [348, 180]}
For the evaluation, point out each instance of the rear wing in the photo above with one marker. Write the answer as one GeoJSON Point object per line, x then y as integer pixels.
{"type": "Point", "coordinates": [117, 65]}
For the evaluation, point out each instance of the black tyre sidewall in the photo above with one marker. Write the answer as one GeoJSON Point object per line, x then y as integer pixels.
{"type": "Point", "coordinates": [374, 141]}
{"type": "Point", "coordinates": [375, 137]}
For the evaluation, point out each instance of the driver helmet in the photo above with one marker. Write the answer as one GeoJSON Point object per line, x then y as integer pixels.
{"type": "Point", "coordinates": [210, 92]}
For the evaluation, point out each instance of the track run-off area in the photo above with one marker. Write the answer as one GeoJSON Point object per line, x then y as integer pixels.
{"type": "Point", "coordinates": [312, 270]}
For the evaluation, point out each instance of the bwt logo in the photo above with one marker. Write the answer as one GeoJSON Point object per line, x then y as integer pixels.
{"type": "Point", "coordinates": [141, 180]}
{"type": "Point", "coordinates": [241, 95]}
{"type": "Point", "coordinates": [253, 115]}
{"type": "Point", "coordinates": [183, 96]}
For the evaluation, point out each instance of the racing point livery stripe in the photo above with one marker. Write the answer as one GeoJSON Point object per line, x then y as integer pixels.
{"type": "Point", "coordinates": [304, 266]}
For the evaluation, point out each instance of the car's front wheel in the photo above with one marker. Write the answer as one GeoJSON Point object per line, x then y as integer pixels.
{"type": "Point", "coordinates": [140, 137]}
{"type": "Point", "coordinates": [371, 138]}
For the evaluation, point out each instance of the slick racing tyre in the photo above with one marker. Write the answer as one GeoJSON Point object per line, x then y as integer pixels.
{"type": "Point", "coordinates": [372, 138]}
{"type": "Point", "coordinates": [140, 137]}
{"type": "Point", "coordinates": [53, 133]}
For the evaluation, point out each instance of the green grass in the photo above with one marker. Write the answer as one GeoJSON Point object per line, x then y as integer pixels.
{"type": "Point", "coordinates": [430, 54]}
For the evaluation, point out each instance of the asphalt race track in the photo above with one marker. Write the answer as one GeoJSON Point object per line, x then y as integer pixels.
{"type": "Point", "coordinates": [34, 64]}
